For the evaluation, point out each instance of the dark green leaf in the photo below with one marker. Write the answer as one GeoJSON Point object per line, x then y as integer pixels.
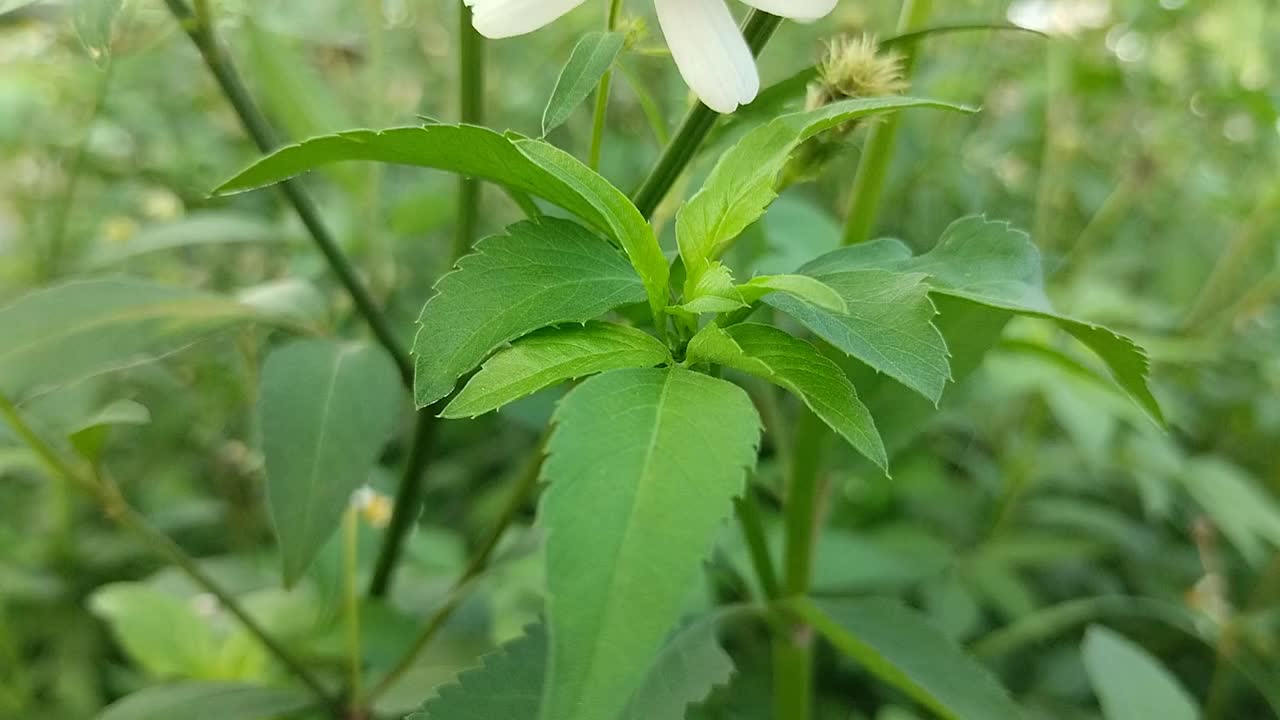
{"type": "Point", "coordinates": [590, 60]}
{"type": "Point", "coordinates": [508, 684]}
{"type": "Point", "coordinates": [206, 701]}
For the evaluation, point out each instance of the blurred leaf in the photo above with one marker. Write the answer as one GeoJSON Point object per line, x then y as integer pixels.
{"type": "Point", "coordinates": [642, 466]}
{"type": "Point", "coordinates": [1131, 684]}
{"type": "Point", "coordinates": [206, 701]}
{"type": "Point", "coordinates": [197, 229]}
{"type": "Point", "coordinates": [326, 410]}
{"type": "Point", "coordinates": [590, 60]}
{"type": "Point", "coordinates": [89, 436]}
{"type": "Point", "coordinates": [290, 297]}
{"type": "Point", "coordinates": [550, 356]}
{"type": "Point", "coordinates": [539, 274]}
{"type": "Point", "coordinates": [159, 631]}
{"type": "Point", "coordinates": [94, 21]}
{"type": "Point", "coordinates": [11, 5]}
{"type": "Point", "coordinates": [901, 648]}
{"type": "Point", "coordinates": [1241, 510]}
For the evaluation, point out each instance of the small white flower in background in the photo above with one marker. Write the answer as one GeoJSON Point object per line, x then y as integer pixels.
{"type": "Point", "coordinates": [704, 39]}
{"type": "Point", "coordinates": [373, 506]}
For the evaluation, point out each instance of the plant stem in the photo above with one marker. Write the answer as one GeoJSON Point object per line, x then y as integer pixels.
{"type": "Point", "coordinates": [752, 523]}
{"type": "Point", "coordinates": [351, 606]}
{"type": "Point", "coordinates": [259, 130]}
{"type": "Point", "coordinates": [757, 29]}
{"type": "Point", "coordinates": [873, 168]}
{"type": "Point", "coordinates": [117, 508]}
{"type": "Point", "coordinates": [407, 504]}
{"type": "Point", "coordinates": [1240, 257]}
{"type": "Point", "coordinates": [602, 94]}
{"type": "Point", "coordinates": [525, 486]}
{"type": "Point", "coordinates": [471, 104]}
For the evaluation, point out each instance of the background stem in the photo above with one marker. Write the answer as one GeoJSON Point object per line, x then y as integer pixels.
{"type": "Point", "coordinates": [471, 107]}
{"type": "Point", "coordinates": [351, 607]}
{"type": "Point", "coordinates": [602, 94]}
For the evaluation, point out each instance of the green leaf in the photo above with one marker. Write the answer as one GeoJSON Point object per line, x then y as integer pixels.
{"type": "Point", "coordinates": [11, 5]}
{"type": "Point", "coordinates": [70, 332]}
{"type": "Point", "coordinates": [643, 466]}
{"type": "Point", "coordinates": [742, 185]}
{"type": "Point", "coordinates": [209, 228]}
{"type": "Point", "coordinates": [623, 221]}
{"type": "Point", "coordinates": [508, 684]}
{"type": "Point", "coordinates": [550, 356]}
{"type": "Point", "coordinates": [691, 665]}
{"type": "Point", "coordinates": [590, 60]}
{"type": "Point", "coordinates": [1242, 510]}
{"type": "Point", "coordinates": [325, 411]}
{"type": "Point", "coordinates": [716, 292]}
{"type": "Point", "coordinates": [902, 649]}
{"type": "Point", "coordinates": [1131, 684]}
{"type": "Point", "coordinates": [89, 436]}
{"type": "Point", "coordinates": [797, 366]}
{"type": "Point", "coordinates": [94, 21]}
{"type": "Point", "coordinates": [888, 326]}
{"type": "Point", "coordinates": [160, 632]}
{"type": "Point", "coordinates": [541, 274]}
{"type": "Point", "coordinates": [207, 701]}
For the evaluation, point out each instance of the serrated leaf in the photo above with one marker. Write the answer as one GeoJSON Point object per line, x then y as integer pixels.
{"type": "Point", "coordinates": [1131, 684]}
{"type": "Point", "coordinates": [591, 59]}
{"type": "Point", "coordinates": [716, 292]}
{"type": "Point", "coordinates": [207, 701]}
{"type": "Point", "coordinates": [997, 265]}
{"type": "Point", "coordinates": [798, 367]}
{"type": "Point", "coordinates": [742, 185]}
{"type": "Point", "coordinates": [623, 221]}
{"type": "Point", "coordinates": [553, 355]}
{"type": "Point", "coordinates": [903, 649]}
{"type": "Point", "coordinates": [508, 684]}
{"type": "Point", "coordinates": [325, 411]}
{"type": "Point", "coordinates": [540, 274]}
{"type": "Point", "coordinates": [888, 326]}
{"type": "Point", "coordinates": [642, 466]}
{"type": "Point", "coordinates": [70, 332]}
{"type": "Point", "coordinates": [691, 665]}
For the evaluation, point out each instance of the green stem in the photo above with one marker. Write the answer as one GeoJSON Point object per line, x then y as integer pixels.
{"type": "Point", "coordinates": [1055, 157]}
{"type": "Point", "coordinates": [1239, 258]}
{"type": "Point", "coordinates": [408, 502]}
{"type": "Point", "coordinates": [602, 94]}
{"type": "Point", "coordinates": [351, 606]}
{"type": "Point", "coordinates": [873, 168]}
{"type": "Point", "coordinates": [117, 508]}
{"type": "Point", "coordinates": [757, 29]}
{"type": "Point", "coordinates": [471, 102]}
{"type": "Point", "coordinates": [752, 522]}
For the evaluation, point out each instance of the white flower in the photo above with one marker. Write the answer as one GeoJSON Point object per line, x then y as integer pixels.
{"type": "Point", "coordinates": [704, 40]}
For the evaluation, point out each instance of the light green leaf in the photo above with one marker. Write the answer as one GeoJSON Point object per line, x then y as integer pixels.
{"type": "Point", "coordinates": [811, 290]}
{"type": "Point", "coordinates": [902, 649]}
{"type": "Point", "coordinates": [742, 185]}
{"type": "Point", "coordinates": [160, 632]}
{"type": "Point", "coordinates": [541, 274]}
{"type": "Point", "coordinates": [1131, 684]}
{"type": "Point", "coordinates": [210, 228]}
{"type": "Point", "coordinates": [691, 665]}
{"type": "Point", "coordinates": [888, 326]}
{"type": "Point", "coordinates": [716, 292]}
{"type": "Point", "coordinates": [590, 60]}
{"type": "Point", "coordinates": [207, 701]}
{"type": "Point", "coordinates": [90, 435]}
{"type": "Point", "coordinates": [1242, 510]}
{"type": "Point", "coordinates": [622, 220]}
{"type": "Point", "coordinates": [70, 332]}
{"type": "Point", "coordinates": [325, 411]}
{"type": "Point", "coordinates": [94, 21]}
{"type": "Point", "coordinates": [797, 366]}
{"type": "Point", "coordinates": [11, 5]}
{"type": "Point", "coordinates": [642, 466]}
{"type": "Point", "coordinates": [508, 684]}
{"type": "Point", "coordinates": [550, 356]}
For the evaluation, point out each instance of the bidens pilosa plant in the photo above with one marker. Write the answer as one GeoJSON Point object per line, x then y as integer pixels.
{"type": "Point", "coordinates": [674, 358]}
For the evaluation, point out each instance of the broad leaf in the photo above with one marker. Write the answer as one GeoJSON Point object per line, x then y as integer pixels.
{"type": "Point", "coordinates": [742, 185]}
{"type": "Point", "coordinates": [1131, 684]}
{"type": "Point", "coordinates": [161, 633]}
{"type": "Point", "coordinates": [797, 366]}
{"type": "Point", "coordinates": [716, 292]}
{"type": "Point", "coordinates": [508, 684]}
{"type": "Point", "coordinates": [590, 60]}
{"type": "Point", "coordinates": [543, 273]}
{"type": "Point", "coordinates": [70, 332]}
{"type": "Point", "coordinates": [994, 264]}
{"type": "Point", "coordinates": [643, 466]}
{"type": "Point", "coordinates": [550, 356]}
{"type": "Point", "coordinates": [325, 411]}
{"type": "Point", "coordinates": [207, 701]}
{"type": "Point", "coordinates": [888, 326]}
{"type": "Point", "coordinates": [903, 649]}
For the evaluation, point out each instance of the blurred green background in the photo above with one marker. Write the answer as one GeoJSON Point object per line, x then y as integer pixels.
{"type": "Point", "coordinates": [1139, 144]}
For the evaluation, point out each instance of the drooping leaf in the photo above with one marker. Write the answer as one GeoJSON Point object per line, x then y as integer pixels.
{"type": "Point", "coordinates": [553, 355]}
{"type": "Point", "coordinates": [207, 701]}
{"type": "Point", "coordinates": [160, 632]}
{"type": "Point", "coordinates": [1244, 512]}
{"type": "Point", "coordinates": [590, 60]}
{"type": "Point", "coordinates": [508, 684]}
{"type": "Point", "coordinates": [889, 325]}
{"type": "Point", "coordinates": [1131, 684]}
{"type": "Point", "coordinates": [325, 411]}
{"type": "Point", "coordinates": [797, 366]}
{"type": "Point", "coordinates": [90, 435]}
{"type": "Point", "coordinates": [901, 648]}
{"type": "Point", "coordinates": [642, 466]}
{"type": "Point", "coordinates": [540, 274]}
{"type": "Point", "coordinates": [70, 332]}
{"type": "Point", "coordinates": [742, 185]}
{"type": "Point", "coordinates": [199, 229]}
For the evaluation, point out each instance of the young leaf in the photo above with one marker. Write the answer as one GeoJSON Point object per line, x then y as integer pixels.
{"type": "Point", "coordinates": [70, 332]}
{"type": "Point", "coordinates": [888, 326]}
{"type": "Point", "coordinates": [798, 367]}
{"type": "Point", "coordinates": [590, 60]}
{"type": "Point", "coordinates": [1131, 684]}
{"type": "Point", "coordinates": [811, 290]}
{"type": "Point", "coordinates": [643, 466]}
{"type": "Point", "coordinates": [207, 701]}
{"type": "Point", "coordinates": [325, 411]}
{"type": "Point", "coordinates": [543, 273]}
{"type": "Point", "coordinates": [902, 649]}
{"type": "Point", "coordinates": [553, 355]}
{"type": "Point", "coordinates": [741, 186]}
{"type": "Point", "coordinates": [508, 684]}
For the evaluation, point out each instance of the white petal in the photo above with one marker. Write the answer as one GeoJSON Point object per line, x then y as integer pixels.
{"type": "Point", "coordinates": [801, 10]}
{"type": "Point", "coordinates": [710, 52]}
{"type": "Point", "coordinates": [506, 18]}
